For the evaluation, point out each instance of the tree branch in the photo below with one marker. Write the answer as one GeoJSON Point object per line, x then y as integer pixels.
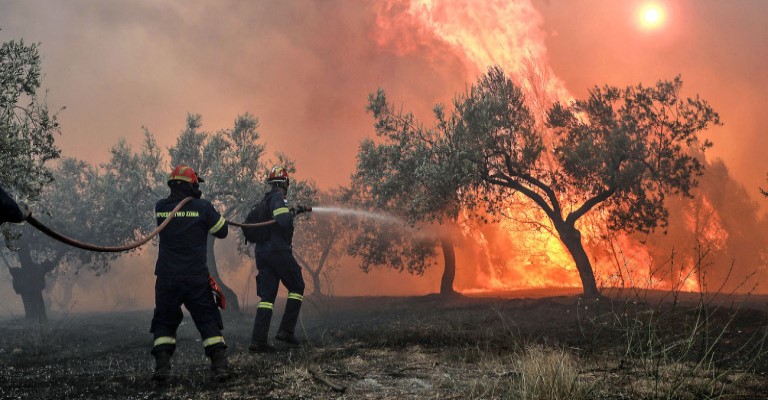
{"type": "Point", "coordinates": [535, 182]}
{"type": "Point", "coordinates": [589, 204]}
{"type": "Point", "coordinates": [548, 190]}
{"type": "Point", "coordinates": [50, 265]}
{"type": "Point", "coordinates": [324, 257]}
{"type": "Point", "coordinates": [515, 185]}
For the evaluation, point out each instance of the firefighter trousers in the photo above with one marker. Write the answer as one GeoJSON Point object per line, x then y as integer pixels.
{"type": "Point", "coordinates": [195, 294]}
{"type": "Point", "coordinates": [273, 268]}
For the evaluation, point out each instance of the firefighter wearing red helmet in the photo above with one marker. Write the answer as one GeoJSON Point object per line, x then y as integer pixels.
{"type": "Point", "coordinates": [275, 263]}
{"type": "Point", "coordinates": [182, 274]}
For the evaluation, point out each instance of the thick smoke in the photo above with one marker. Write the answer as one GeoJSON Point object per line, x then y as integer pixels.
{"type": "Point", "coordinates": [305, 68]}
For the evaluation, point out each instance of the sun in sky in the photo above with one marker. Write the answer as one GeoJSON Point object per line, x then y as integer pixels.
{"type": "Point", "coordinates": [651, 16]}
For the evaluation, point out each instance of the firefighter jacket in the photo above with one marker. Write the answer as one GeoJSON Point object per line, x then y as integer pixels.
{"type": "Point", "coordinates": [281, 232]}
{"type": "Point", "coordinates": [9, 210]}
{"type": "Point", "coordinates": [183, 243]}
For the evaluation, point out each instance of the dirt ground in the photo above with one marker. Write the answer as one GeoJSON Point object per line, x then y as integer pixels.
{"type": "Point", "coordinates": [560, 347]}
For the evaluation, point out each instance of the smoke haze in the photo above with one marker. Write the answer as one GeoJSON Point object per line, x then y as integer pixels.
{"type": "Point", "coordinates": [305, 68]}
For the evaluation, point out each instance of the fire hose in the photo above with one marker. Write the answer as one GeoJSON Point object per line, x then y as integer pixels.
{"type": "Point", "coordinates": [114, 249]}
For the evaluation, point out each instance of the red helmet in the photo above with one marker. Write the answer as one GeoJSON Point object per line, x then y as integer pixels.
{"type": "Point", "coordinates": [186, 174]}
{"type": "Point", "coordinates": [278, 174]}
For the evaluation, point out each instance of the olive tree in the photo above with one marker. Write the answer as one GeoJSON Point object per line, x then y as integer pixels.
{"type": "Point", "coordinates": [27, 133]}
{"type": "Point", "coordinates": [27, 127]}
{"type": "Point", "coordinates": [106, 205]}
{"type": "Point", "coordinates": [621, 151]}
{"type": "Point", "coordinates": [393, 243]}
{"type": "Point", "coordinates": [401, 174]}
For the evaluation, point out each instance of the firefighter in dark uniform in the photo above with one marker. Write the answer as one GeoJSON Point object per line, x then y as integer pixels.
{"type": "Point", "coordinates": [275, 263]}
{"type": "Point", "coordinates": [182, 274]}
{"type": "Point", "coordinates": [9, 210]}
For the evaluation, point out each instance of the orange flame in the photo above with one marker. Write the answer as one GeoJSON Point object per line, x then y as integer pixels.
{"type": "Point", "coordinates": [511, 254]}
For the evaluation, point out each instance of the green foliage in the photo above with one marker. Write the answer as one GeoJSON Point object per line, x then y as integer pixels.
{"type": "Point", "coordinates": [27, 127]}
{"type": "Point", "coordinates": [622, 150]}
{"type": "Point", "coordinates": [404, 174]}
{"type": "Point", "coordinates": [230, 161]}
{"type": "Point", "coordinates": [76, 202]}
{"type": "Point", "coordinates": [131, 182]}
{"type": "Point", "coordinates": [378, 244]}
{"type": "Point", "coordinates": [400, 175]}
{"type": "Point", "coordinates": [70, 203]}
{"type": "Point", "coordinates": [110, 204]}
{"type": "Point", "coordinates": [491, 137]}
{"type": "Point", "coordinates": [630, 148]}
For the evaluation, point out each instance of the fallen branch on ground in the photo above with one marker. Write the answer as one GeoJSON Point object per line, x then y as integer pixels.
{"type": "Point", "coordinates": [336, 387]}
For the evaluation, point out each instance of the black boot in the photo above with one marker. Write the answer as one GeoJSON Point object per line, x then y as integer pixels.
{"type": "Point", "coordinates": [288, 323]}
{"type": "Point", "coordinates": [261, 347]}
{"type": "Point", "coordinates": [287, 337]}
{"type": "Point", "coordinates": [220, 365]}
{"type": "Point", "coordinates": [259, 343]}
{"type": "Point", "coordinates": [162, 366]}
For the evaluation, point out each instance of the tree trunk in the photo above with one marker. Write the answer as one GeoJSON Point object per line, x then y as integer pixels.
{"type": "Point", "coordinates": [571, 238]}
{"type": "Point", "coordinates": [316, 284]}
{"type": "Point", "coordinates": [315, 274]}
{"type": "Point", "coordinates": [232, 303]}
{"type": "Point", "coordinates": [29, 282]}
{"type": "Point", "coordinates": [449, 273]}
{"type": "Point", "coordinates": [34, 305]}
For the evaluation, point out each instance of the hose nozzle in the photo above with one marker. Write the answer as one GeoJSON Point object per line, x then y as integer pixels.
{"type": "Point", "coordinates": [302, 209]}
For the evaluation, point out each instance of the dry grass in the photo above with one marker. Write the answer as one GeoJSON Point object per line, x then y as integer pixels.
{"type": "Point", "coordinates": [414, 348]}
{"type": "Point", "coordinates": [549, 374]}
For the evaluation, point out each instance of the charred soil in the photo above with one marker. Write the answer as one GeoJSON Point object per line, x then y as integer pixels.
{"type": "Point", "coordinates": [625, 346]}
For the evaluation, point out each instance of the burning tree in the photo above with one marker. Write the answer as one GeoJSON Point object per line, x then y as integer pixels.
{"type": "Point", "coordinates": [722, 233]}
{"type": "Point", "coordinates": [620, 151]}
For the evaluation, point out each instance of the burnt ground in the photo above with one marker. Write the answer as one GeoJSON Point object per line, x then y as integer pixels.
{"type": "Point", "coordinates": [624, 347]}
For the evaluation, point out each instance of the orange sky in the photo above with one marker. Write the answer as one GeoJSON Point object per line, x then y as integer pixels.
{"type": "Point", "coordinates": [719, 47]}
{"type": "Point", "coordinates": [305, 68]}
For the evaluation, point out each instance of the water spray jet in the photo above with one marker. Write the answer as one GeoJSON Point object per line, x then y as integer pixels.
{"type": "Point", "coordinates": [390, 219]}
